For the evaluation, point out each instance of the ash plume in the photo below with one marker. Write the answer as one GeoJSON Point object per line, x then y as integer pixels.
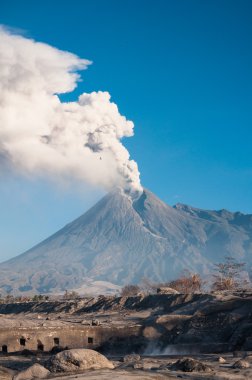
{"type": "Point", "coordinates": [43, 136]}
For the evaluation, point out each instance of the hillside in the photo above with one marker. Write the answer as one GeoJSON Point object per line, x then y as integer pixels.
{"type": "Point", "coordinates": [120, 241]}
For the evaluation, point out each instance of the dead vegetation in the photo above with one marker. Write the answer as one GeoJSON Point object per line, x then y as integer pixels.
{"type": "Point", "coordinates": [227, 276]}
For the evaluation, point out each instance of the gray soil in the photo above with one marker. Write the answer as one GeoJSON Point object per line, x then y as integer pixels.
{"type": "Point", "coordinates": [201, 326]}
{"type": "Point", "coordinates": [152, 368]}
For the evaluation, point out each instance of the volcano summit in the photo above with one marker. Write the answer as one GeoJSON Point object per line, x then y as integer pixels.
{"type": "Point", "coordinates": [121, 240]}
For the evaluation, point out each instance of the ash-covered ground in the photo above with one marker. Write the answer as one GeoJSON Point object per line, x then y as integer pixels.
{"type": "Point", "coordinates": [214, 330]}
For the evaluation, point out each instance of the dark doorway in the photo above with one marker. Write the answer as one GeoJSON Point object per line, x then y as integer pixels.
{"type": "Point", "coordinates": [22, 341]}
{"type": "Point", "coordinates": [56, 341]}
{"type": "Point", "coordinates": [40, 347]}
{"type": "Point", "coordinates": [90, 339]}
{"type": "Point", "coordinates": [4, 349]}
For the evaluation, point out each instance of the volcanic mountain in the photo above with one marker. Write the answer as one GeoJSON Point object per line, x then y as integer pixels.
{"type": "Point", "coordinates": [121, 240]}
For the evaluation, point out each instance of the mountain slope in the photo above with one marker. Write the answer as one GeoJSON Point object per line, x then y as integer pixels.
{"type": "Point", "coordinates": [120, 241]}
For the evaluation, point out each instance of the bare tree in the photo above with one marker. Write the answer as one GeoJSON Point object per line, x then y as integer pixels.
{"type": "Point", "coordinates": [228, 275]}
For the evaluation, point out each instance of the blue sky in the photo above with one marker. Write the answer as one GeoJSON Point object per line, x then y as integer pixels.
{"type": "Point", "coordinates": [181, 70]}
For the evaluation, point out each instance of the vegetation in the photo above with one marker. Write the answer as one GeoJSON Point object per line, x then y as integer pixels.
{"type": "Point", "coordinates": [9, 298]}
{"type": "Point", "coordinates": [228, 275]}
{"type": "Point", "coordinates": [187, 283]}
{"type": "Point", "coordinates": [40, 297]}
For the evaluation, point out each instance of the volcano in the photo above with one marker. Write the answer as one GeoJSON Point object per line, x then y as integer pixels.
{"type": "Point", "coordinates": [121, 240]}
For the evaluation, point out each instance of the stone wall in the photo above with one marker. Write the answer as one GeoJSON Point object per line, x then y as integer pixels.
{"type": "Point", "coordinates": [44, 339]}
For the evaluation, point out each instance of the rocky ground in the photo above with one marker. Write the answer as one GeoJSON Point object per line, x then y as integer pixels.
{"type": "Point", "coordinates": [215, 330]}
{"type": "Point", "coordinates": [226, 367]}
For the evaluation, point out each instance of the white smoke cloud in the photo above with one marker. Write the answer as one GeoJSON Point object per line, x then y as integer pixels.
{"type": "Point", "coordinates": [40, 135]}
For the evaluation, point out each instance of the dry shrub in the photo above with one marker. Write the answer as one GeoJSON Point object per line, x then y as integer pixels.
{"type": "Point", "coordinates": [187, 283]}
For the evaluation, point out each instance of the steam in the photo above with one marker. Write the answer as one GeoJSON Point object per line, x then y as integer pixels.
{"type": "Point", "coordinates": [154, 349]}
{"type": "Point", "coordinates": [40, 135]}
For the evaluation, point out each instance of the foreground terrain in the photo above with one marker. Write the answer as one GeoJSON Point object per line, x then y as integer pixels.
{"type": "Point", "coordinates": [160, 328]}
{"type": "Point", "coordinates": [154, 368]}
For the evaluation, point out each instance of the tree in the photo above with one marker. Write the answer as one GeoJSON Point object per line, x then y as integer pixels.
{"type": "Point", "coordinates": [228, 275]}
{"type": "Point", "coordinates": [130, 290]}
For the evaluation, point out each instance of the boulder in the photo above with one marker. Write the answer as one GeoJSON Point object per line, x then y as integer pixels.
{"type": "Point", "coordinates": [36, 371]}
{"type": "Point", "coordinates": [241, 364]}
{"type": "Point", "coordinates": [78, 359]}
{"type": "Point", "coordinates": [6, 374]}
{"type": "Point", "coordinates": [221, 360]}
{"type": "Point", "coordinates": [132, 358]}
{"type": "Point", "coordinates": [190, 365]}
